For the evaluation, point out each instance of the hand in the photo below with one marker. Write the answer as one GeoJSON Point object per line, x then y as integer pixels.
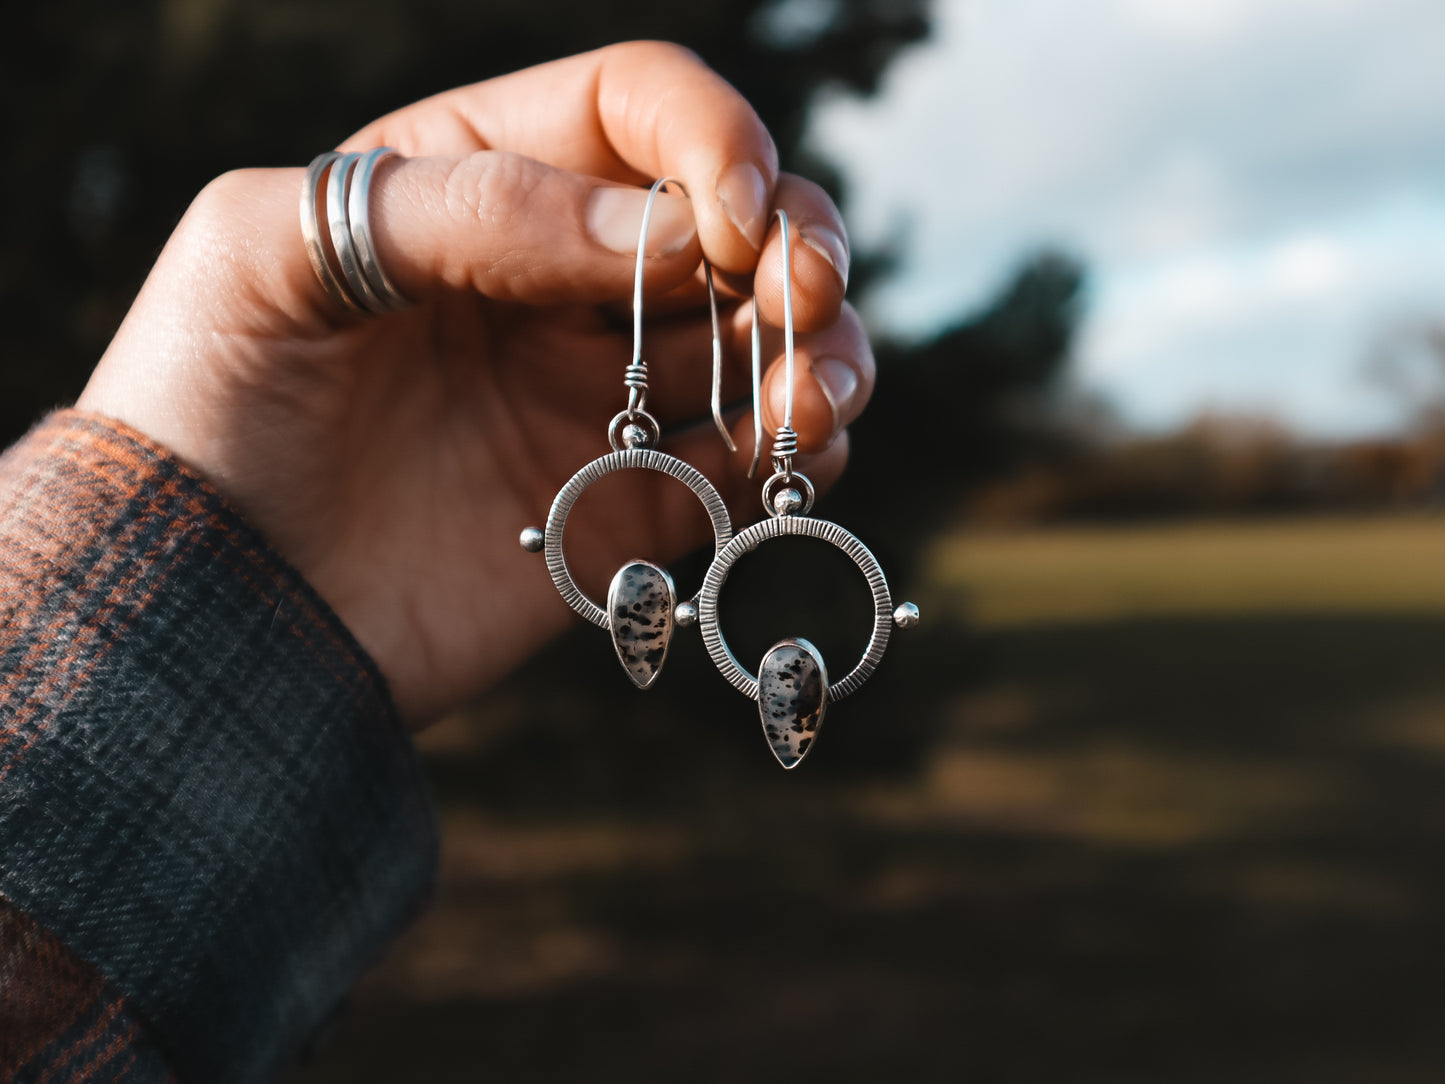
{"type": "Point", "coordinates": [394, 459]}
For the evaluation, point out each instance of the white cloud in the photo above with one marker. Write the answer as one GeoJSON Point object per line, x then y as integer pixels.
{"type": "Point", "coordinates": [1250, 181]}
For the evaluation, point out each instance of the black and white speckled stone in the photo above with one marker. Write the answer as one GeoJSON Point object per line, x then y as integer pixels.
{"type": "Point", "coordinates": [640, 615]}
{"type": "Point", "coordinates": [792, 696]}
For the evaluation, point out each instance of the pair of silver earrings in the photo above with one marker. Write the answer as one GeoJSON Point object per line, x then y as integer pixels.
{"type": "Point", "coordinates": [642, 612]}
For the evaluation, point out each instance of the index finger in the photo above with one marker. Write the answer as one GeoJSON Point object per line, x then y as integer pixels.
{"type": "Point", "coordinates": [630, 113]}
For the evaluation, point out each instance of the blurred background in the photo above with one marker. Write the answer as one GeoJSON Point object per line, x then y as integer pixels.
{"type": "Point", "coordinates": [1157, 791]}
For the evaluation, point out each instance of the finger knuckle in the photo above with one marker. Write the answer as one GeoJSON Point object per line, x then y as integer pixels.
{"type": "Point", "coordinates": [220, 233]}
{"type": "Point", "coordinates": [491, 190]}
{"type": "Point", "coordinates": [217, 217]}
{"type": "Point", "coordinates": [220, 198]}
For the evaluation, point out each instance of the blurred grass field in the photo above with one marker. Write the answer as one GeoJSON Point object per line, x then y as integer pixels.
{"type": "Point", "coordinates": [1308, 566]}
{"type": "Point", "coordinates": [1159, 803]}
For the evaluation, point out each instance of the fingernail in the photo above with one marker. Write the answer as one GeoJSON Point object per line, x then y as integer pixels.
{"type": "Point", "coordinates": [829, 244]}
{"type": "Point", "coordinates": [839, 383]}
{"type": "Point", "coordinates": [614, 217]}
{"type": "Point", "coordinates": [744, 196]}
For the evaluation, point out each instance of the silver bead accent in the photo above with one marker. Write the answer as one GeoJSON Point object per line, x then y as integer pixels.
{"type": "Point", "coordinates": [686, 614]}
{"type": "Point", "coordinates": [533, 539]}
{"type": "Point", "coordinates": [906, 616]}
{"type": "Point", "coordinates": [787, 501]}
{"type": "Point", "coordinates": [634, 436]}
{"type": "Point", "coordinates": [787, 488]}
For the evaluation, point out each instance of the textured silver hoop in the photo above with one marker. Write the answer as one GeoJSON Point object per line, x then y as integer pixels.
{"type": "Point", "coordinates": [802, 526]}
{"type": "Point", "coordinates": [647, 459]}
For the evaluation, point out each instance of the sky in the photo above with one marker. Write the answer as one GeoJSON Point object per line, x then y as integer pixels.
{"type": "Point", "coordinates": [1257, 188]}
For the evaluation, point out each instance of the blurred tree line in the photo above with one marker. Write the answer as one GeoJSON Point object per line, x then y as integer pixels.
{"type": "Point", "coordinates": [1217, 465]}
{"type": "Point", "coordinates": [1230, 464]}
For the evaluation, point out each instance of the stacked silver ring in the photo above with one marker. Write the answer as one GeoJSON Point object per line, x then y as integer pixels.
{"type": "Point", "coordinates": [343, 182]}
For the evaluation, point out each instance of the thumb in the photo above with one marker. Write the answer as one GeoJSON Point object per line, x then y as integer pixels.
{"type": "Point", "coordinates": [514, 229]}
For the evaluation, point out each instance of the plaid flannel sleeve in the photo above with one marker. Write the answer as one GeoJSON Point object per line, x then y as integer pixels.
{"type": "Point", "coordinates": [211, 818]}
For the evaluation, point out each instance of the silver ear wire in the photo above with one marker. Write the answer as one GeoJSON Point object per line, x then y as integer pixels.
{"type": "Point", "coordinates": [637, 371]}
{"type": "Point", "coordinates": [757, 393]}
{"type": "Point", "coordinates": [717, 360]}
{"type": "Point", "coordinates": [636, 376]}
{"type": "Point", "coordinates": [785, 444]}
{"type": "Point", "coordinates": [787, 315]}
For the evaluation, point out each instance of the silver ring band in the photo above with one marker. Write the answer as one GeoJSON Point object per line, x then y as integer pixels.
{"type": "Point", "coordinates": [341, 242]}
{"type": "Point", "coordinates": [344, 182]}
{"type": "Point", "coordinates": [358, 207]}
{"type": "Point", "coordinates": [312, 193]}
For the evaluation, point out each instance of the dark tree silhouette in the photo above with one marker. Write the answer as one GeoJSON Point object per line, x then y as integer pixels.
{"type": "Point", "coordinates": [963, 407]}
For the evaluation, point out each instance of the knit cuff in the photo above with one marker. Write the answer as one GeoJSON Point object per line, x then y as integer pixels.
{"type": "Point", "coordinates": [205, 789]}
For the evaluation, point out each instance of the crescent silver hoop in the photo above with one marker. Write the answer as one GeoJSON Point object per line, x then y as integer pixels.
{"type": "Point", "coordinates": [802, 526]}
{"type": "Point", "coordinates": [627, 459]}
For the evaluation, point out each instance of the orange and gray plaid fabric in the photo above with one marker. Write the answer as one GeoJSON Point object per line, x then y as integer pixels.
{"type": "Point", "coordinates": [211, 819]}
{"type": "Point", "coordinates": [59, 1019]}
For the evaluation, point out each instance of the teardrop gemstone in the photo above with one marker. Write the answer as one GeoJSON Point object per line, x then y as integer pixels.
{"type": "Point", "coordinates": [640, 615]}
{"type": "Point", "coordinates": [792, 696]}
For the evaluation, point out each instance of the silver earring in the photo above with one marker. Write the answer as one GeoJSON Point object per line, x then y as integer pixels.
{"type": "Point", "coordinates": [642, 609]}
{"type": "Point", "coordinates": [791, 686]}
